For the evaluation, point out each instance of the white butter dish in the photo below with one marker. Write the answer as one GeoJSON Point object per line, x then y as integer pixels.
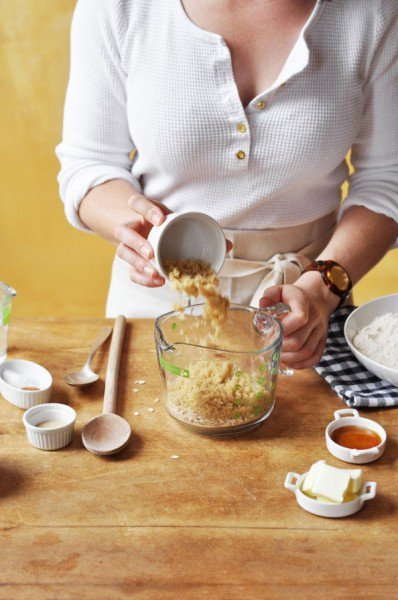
{"type": "Point", "coordinates": [350, 417]}
{"type": "Point", "coordinates": [17, 374]}
{"type": "Point", "coordinates": [50, 438]}
{"type": "Point", "coordinates": [294, 481]}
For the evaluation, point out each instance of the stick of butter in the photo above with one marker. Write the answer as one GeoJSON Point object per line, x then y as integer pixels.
{"type": "Point", "coordinates": [325, 500]}
{"type": "Point", "coordinates": [355, 481]}
{"type": "Point", "coordinates": [331, 483]}
{"type": "Point", "coordinates": [310, 478]}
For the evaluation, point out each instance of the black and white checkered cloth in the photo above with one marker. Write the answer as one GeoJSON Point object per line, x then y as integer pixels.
{"type": "Point", "coordinates": [346, 375]}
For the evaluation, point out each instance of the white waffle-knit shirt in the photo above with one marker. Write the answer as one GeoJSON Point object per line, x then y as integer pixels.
{"type": "Point", "coordinates": [145, 77]}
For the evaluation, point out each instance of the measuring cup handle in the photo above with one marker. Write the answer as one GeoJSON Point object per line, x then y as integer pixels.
{"type": "Point", "coordinates": [287, 371]}
{"type": "Point", "coordinates": [277, 310]}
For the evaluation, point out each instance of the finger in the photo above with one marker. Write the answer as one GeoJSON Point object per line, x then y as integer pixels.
{"type": "Point", "coordinates": [229, 245]}
{"type": "Point", "coordinates": [305, 351]}
{"type": "Point", "coordinates": [314, 360]}
{"type": "Point", "coordinates": [297, 340]}
{"type": "Point", "coordinates": [134, 240]}
{"type": "Point", "coordinates": [299, 304]}
{"type": "Point", "coordinates": [137, 262]}
{"type": "Point", "coordinates": [271, 296]}
{"type": "Point", "coordinates": [142, 279]}
{"type": "Point", "coordinates": [144, 207]}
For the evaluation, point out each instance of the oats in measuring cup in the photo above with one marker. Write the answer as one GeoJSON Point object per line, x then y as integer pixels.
{"type": "Point", "coordinates": [218, 393]}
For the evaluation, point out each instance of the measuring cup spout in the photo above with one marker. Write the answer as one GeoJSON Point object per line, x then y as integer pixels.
{"type": "Point", "coordinates": [6, 295]}
{"type": "Point", "coordinates": [6, 291]}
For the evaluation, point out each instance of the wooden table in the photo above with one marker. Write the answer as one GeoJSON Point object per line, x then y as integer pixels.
{"type": "Point", "coordinates": [215, 523]}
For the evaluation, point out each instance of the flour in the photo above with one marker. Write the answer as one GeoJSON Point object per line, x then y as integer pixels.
{"type": "Point", "coordinates": [379, 340]}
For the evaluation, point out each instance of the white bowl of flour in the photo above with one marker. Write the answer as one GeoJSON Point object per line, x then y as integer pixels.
{"type": "Point", "coordinates": [371, 332]}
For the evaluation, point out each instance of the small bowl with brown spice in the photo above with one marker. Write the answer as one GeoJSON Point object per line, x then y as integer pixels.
{"type": "Point", "coordinates": [49, 426]}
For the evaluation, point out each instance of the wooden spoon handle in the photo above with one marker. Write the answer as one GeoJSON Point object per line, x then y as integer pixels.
{"type": "Point", "coordinates": [112, 371]}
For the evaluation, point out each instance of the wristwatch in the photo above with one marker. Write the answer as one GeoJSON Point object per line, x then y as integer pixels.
{"type": "Point", "coordinates": [335, 277]}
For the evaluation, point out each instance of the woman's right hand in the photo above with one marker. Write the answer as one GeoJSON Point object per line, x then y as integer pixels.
{"type": "Point", "coordinates": [134, 247]}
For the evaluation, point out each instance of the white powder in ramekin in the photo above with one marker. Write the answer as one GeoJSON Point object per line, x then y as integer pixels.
{"type": "Point", "coordinates": [379, 340]}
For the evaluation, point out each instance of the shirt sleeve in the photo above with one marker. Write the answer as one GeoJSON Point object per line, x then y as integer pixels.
{"type": "Point", "coordinates": [96, 143]}
{"type": "Point", "coordinates": [374, 183]}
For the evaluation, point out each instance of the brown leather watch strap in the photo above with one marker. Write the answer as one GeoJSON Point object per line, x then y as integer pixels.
{"type": "Point", "coordinates": [334, 276]}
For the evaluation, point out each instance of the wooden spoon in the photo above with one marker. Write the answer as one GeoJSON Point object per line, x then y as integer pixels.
{"type": "Point", "coordinates": [108, 433]}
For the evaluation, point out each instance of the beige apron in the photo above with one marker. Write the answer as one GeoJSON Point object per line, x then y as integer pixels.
{"type": "Point", "coordinates": [263, 258]}
{"type": "Point", "coordinates": [259, 259]}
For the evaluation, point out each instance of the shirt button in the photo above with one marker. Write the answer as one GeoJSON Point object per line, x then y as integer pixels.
{"type": "Point", "coordinates": [240, 155]}
{"type": "Point", "coordinates": [241, 127]}
{"type": "Point", "coordinates": [261, 105]}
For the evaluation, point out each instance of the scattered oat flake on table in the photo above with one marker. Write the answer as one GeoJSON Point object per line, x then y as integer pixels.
{"type": "Point", "coordinates": [175, 456]}
{"type": "Point", "coordinates": [136, 413]}
{"type": "Point", "coordinates": [140, 381]}
{"type": "Point", "coordinates": [135, 390]}
{"type": "Point", "coordinates": [150, 409]}
{"type": "Point", "coordinates": [157, 400]}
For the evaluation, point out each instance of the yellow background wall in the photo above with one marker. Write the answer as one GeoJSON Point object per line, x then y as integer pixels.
{"type": "Point", "coordinates": [56, 269]}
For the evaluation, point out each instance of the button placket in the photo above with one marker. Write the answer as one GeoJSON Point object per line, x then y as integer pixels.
{"type": "Point", "coordinates": [236, 118]}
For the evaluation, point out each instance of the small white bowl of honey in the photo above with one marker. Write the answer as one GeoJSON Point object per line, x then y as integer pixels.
{"type": "Point", "coordinates": [354, 439]}
{"type": "Point", "coordinates": [25, 383]}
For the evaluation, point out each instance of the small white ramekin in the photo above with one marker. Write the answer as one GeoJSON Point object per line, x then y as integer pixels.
{"type": "Point", "coordinates": [30, 371]}
{"type": "Point", "coordinates": [188, 235]}
{"type": "Point", "coordinates": [350, 416]}
{"type": "Point", "coordinates": [54, 438]}
{"type": "Point", "coordinates": [294, 481]}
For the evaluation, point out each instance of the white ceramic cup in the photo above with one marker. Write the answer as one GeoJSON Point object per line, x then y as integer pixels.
{"type": "Point", "coordinates": [17, 373]}
{"type": "Point", "coordinates": [294, 481]}
{"type": "Point", "coordinates": [56, 437]}
{"type": "Point", "coordinates": [350, 416]}
{"type": "Point", "coordinates": [191, 235]}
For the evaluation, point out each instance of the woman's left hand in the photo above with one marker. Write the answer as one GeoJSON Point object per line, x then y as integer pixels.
{"type": "Point", "coordinates": [306, 327]}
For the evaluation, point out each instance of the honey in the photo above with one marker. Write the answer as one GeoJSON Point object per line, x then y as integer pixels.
{"type": "Point", "coordinates": [356, 438]}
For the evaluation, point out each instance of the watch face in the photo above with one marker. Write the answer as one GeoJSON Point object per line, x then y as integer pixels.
{"type": "Point", "coordinates": [339, 278]}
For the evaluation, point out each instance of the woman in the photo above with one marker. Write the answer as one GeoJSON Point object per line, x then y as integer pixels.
{"type": "Point", "coordinates": [244, 111]}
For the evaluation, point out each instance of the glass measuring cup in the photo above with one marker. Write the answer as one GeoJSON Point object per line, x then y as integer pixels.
{"type": "Point", "coordinates": [220, 385]}
{"type": "Point", "coordinates": [6, 296]}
